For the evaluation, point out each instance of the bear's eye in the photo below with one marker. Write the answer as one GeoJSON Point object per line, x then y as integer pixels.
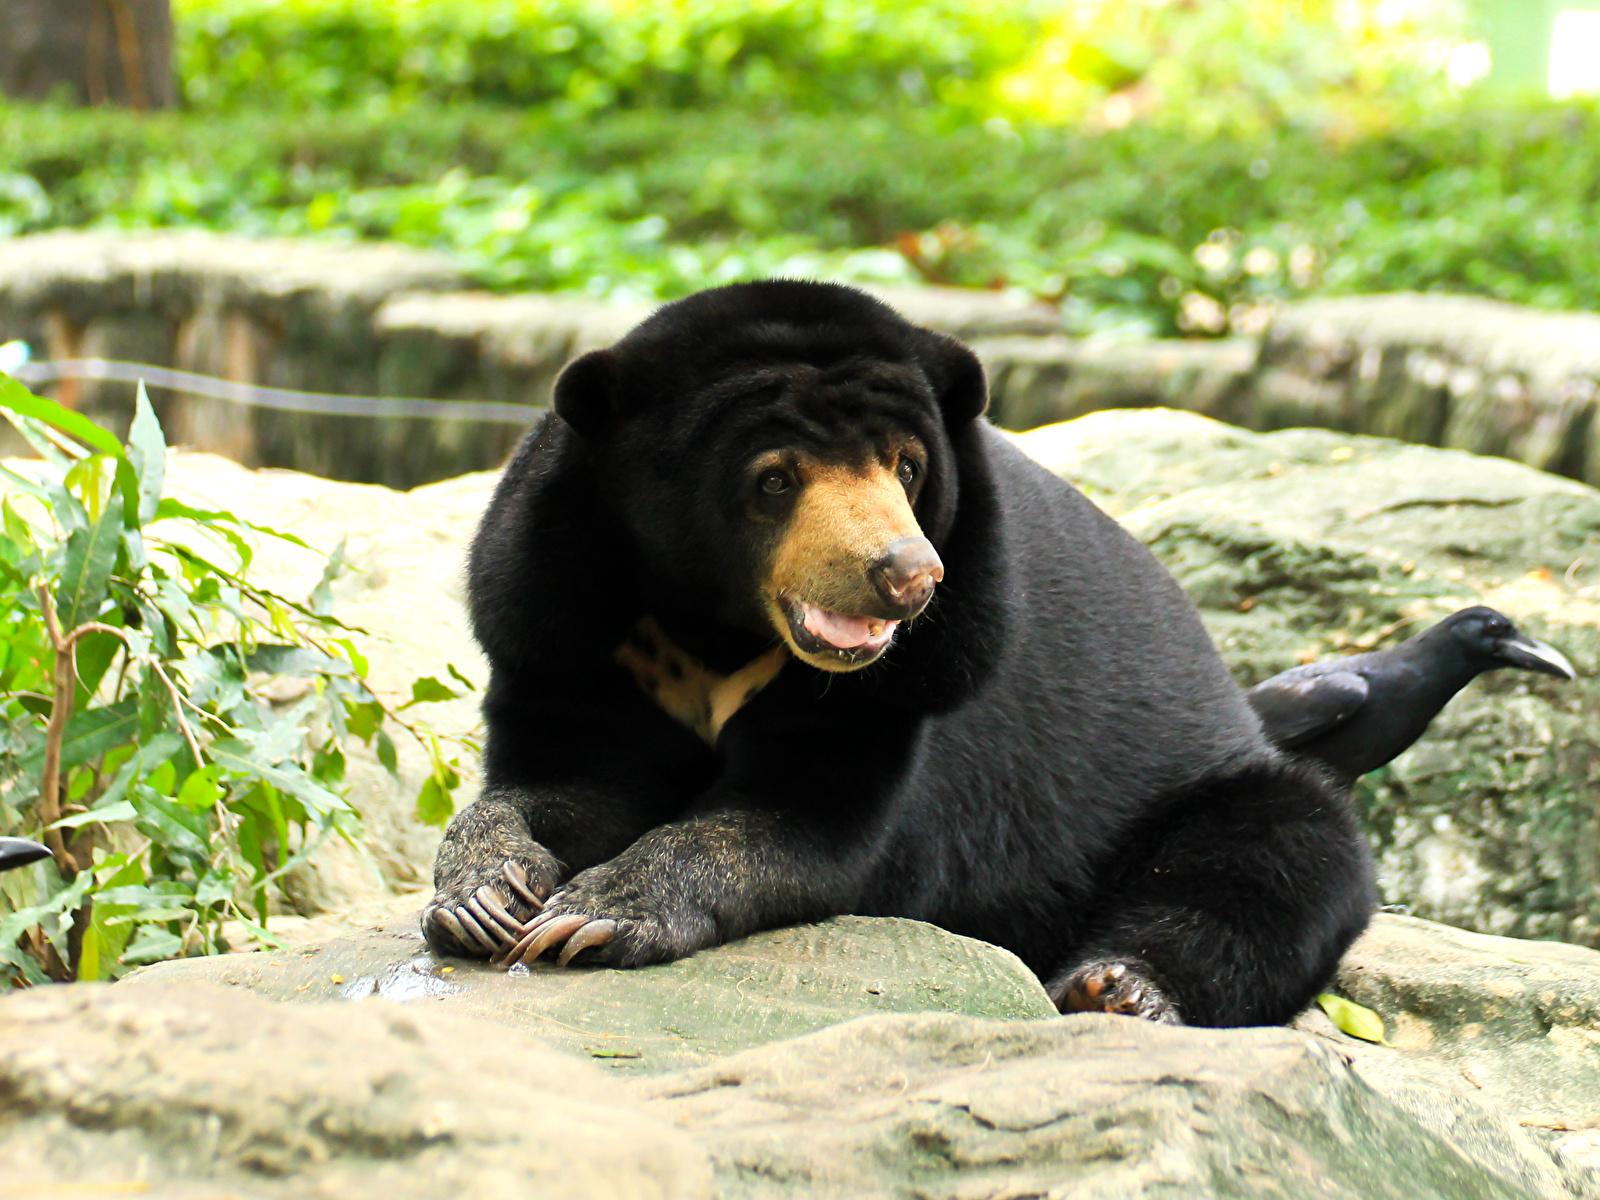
{"type": "Point", "coordinates": [907, 470]}
{"type": "Point", "coordinates": [774, 483]}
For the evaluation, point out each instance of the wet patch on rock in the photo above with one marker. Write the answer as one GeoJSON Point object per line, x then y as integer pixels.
{"type": "Point", "coordinates": [762, 989]}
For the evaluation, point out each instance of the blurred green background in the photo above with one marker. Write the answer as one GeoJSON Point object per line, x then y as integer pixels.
{"type": "Point", "coordinates": [1161, 166]}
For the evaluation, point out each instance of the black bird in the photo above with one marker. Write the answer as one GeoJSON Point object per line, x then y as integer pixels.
{"type": "Point", "coordinates": [1355, 714]}
{"type": "Point", "coordinates": [19, 852]}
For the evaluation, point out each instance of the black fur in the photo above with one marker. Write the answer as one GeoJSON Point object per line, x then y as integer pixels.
{"type": "Point", "coordinates": [1052, 758]}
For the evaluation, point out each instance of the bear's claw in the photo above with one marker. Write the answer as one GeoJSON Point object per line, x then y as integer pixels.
{"type": "Point", "coordinates": [491, 914]}
{"type": "Point", "coordinates": [544, 932]}
{"type": "Point", "coordinates": [517, 878]}
{"type": "Point", "coordinates": [595, 933]}
{"type": "Point", "coordinates": [484, 921]}
{"type": "Point", "coordinates": [463, 930]}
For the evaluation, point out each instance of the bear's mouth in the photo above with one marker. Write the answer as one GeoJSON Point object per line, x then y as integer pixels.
{"type": "Point", "coordinates": [846, 638]}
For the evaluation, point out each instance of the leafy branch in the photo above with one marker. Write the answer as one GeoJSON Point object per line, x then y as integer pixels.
{"type": "Point", "coordinates": [144, 733]}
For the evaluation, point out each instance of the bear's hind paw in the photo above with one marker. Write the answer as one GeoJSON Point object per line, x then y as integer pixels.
{"type": "Point", "coordinates": [1122, 986]}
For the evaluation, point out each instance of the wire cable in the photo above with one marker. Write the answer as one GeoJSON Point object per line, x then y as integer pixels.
{"type": "Point", "coordinates": [254, 395]}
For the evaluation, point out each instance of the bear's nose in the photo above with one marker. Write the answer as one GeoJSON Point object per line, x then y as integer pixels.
{"type": "Point", "coordinates": [906, 574]}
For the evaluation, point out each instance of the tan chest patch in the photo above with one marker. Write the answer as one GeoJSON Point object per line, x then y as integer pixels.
{"type": "Point", "coordinates": [685, 688]}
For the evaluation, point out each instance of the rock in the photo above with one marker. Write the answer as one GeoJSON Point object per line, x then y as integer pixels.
{"type": "Point", "coordinates": [970, 313]}
{"type": "Point", "coordinates": [474, 345]}
{"type": "Point", "coordinates": [87, 274]}
{"type": "Point", "coordinates": [1036, 379]}
{"type": "Point", "coordinates": [762, 989]}
{"type": "Point", "coordinates": [296, 313]}
{"type": "Point", "coordinates": [1455, 371]}
{"type": "Point", "coordinates": [373, 319]}
{"type": "Point", "coordinates": [1082, 1105]}
{"type": "Point", "coordinates": [1519, 1021]}
{"type": "Point", "coordinates": [197, 1092]}
{"type": "Point", "coordinates": [1305, 543]}
{"type": "Point", "coordinates": [903, 1081]}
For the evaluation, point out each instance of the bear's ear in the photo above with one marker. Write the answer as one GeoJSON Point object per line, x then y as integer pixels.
{"type": "Point", "coordinates": [957, 379]}
{"type": "Point", "coordinates": [586, 393]}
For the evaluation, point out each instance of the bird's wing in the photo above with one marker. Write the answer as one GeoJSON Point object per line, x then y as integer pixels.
{"type": "Point", "coordinates": [1295, 710]}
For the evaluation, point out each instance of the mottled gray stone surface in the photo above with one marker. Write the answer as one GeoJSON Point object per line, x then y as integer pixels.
{"type": "Point", "coordinates": [762, 989]}
{"type": "Point", "coordinates": [854, 1058]}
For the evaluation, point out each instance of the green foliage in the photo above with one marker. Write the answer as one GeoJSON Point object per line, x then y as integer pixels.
{"type": "Point", "coordinates": [1235, 65]}
{"type": "Point", "coordinates": [177, 731]}
{"type": "Point", "coordinates": [1221, 64]}
{"type": "Point", "coordinates": [594, 55]}
{"type": "Point", "coordinates": [1146, 227]}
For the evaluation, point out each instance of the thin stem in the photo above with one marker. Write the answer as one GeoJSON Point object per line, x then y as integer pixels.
{"type": "Point", "coordinates": [63, 675]}
{"type": "Point", "coordinates": [178, 701]}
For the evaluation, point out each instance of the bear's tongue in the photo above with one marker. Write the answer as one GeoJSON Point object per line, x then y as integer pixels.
{"type": "Point", "coordinates": [844, 632]}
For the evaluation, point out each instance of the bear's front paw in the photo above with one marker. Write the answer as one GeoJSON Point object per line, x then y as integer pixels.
{"type": "Point", "coordinates": [608, 922]}
{"type": "Point", "coordinates": [481, 917]}
{"type": "Point", "coordinates": [1122, 986]}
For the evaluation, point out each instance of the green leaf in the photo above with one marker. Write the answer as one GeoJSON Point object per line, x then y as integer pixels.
{"type": "Point", "coordinates": [214, 888]}
{"type": "Point", "coordinates": [14, 925]}
{"type": "Point", "coordinates": [214, 523]}
{"type": "Point", "coordinates": [280, 659]}
{"type": "Point", "coordinates": [434, 805]}
{"type": "Point", "coordinates": [93, 481]}
{"type": "Point", "coordinates": [1352, 1018]}
{"type": "Point", "coordinates": [460, 678]}
{"type": "Point", "coordinates": [260, 933]}
{"type": "Point", "coordinates": [49, 448]}
{"type": "Point", "coordinates": [162, 778]}
{"type": "Point", "coordinates": [147, 453]}
{"type": "Point", "coordinates": [210, 517]}
{"type": "Point", "coordinates": [163, 893]}
{"type": "Point", "coordinates": [152, 944]}
{"type": "Point", "coordinates": [20, 400]}
{"type": "Point", "coordinates": [328, 765]}
{"type": "Point", "coordinates": [240, 758]}
{"type": "Point", "coordinates": [159, 626]}
{"type": "Point", "coordinates": [429, 690]}
{"type": "Point", "coordinates": [364, 718]}
{"type": "Point", "coordinates": [154, 750]}
{"type": "Point", "coordinates": [215, 678]}
{"type": "Point", "coordinates": [90, 734]}
{"type": "Point", "coordinates": [95, 653]}
{"type": "Point", "coordinates": [176, 830]}
{"type": "Point", "coordinates": [30, 487]}
{"type": "Point", "coordinates": [121, 810]}
{"type": "Point", "coordinates": [79, 781]}
{"type": "Point", "coordinates": [201, 789]}
{"type": "Point", "coordinates": [17, 530]}
{"type": "Point", "coordinates": [358, 661]}
{"type": "Point", "coordinates": [387, 755]}
{"type": "Point", "coordinates": [322, 595]}
{"type": "Point", "coordinates": [91, 553]}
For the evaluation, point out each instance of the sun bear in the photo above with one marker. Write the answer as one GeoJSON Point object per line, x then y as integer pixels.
{"type": "Point", "coordinates": [780, 627]}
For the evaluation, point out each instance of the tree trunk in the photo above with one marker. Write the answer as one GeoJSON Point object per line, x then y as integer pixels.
{"type": "Point", "coordinates": [88, 51]}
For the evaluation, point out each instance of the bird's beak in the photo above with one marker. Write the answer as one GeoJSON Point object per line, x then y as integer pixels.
{"type": "Point", "coordinates": [19, 852]}
{"type": "Point", "coordinates": [1524, 652]}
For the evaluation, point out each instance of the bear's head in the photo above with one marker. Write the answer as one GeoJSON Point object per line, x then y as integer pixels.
{"type": "Point", "coordinates": [779, 458]}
